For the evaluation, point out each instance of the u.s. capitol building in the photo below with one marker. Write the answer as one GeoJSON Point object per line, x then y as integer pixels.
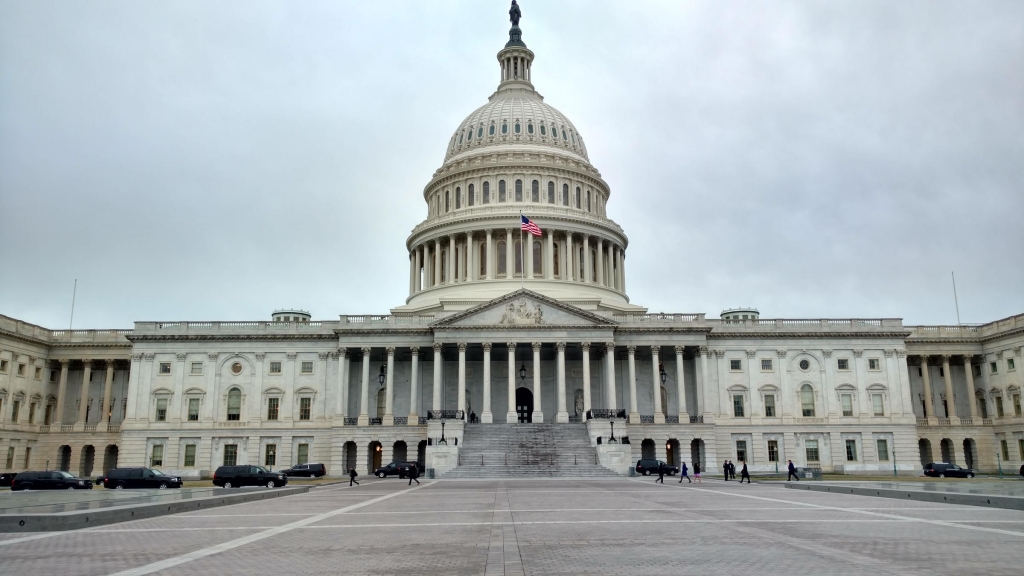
{"type": "Point", "coordinates": [529, 357]}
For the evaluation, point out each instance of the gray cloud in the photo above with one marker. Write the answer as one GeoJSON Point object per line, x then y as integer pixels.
{"type": "Point", "coordinates": [218, 160]}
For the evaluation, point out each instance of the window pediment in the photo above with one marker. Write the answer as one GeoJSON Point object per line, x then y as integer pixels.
{"type": "Point", "coordinates": [877, 388]}
{"type": "Point", "coordinates": [305, 391]}
{"type": "Point", "coordinates": [273, 391]}
{"type": "Point", "coordinates": [163, 392]}
{"type": "Point", "coordinates": [846, 388]}
{"type": "Point", "coordinates": [195, 392]}
{"type": "Point", "coordinates": [737, 388]}
{"type": "Point", "coordinates": [769, 388]}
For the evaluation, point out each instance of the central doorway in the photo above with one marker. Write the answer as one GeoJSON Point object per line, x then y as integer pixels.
{"type": "Point", "coordinates": [524, 405]}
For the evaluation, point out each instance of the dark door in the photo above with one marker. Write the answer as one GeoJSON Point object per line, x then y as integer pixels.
{"type": "Point", "coordinates": [51, 481]}
{"type": "Point", "coordinates": [135, 479]}
{"type": "Point", "coordinates": [524, 405]}
{"type": "Point", "coordinates": [149, 479]}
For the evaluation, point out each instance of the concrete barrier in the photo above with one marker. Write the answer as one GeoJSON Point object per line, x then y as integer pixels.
{"type": "Point", "coordinates": [77, 519]}
{"type": "Point", "coordinates": [988, 501]}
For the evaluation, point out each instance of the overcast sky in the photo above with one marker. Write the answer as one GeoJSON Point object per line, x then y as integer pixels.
{"type": "Point", "coordinates": [217, 160]}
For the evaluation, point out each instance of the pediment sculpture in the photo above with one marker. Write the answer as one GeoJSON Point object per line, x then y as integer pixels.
{"type": "Point", "coordinates": [523, 313]}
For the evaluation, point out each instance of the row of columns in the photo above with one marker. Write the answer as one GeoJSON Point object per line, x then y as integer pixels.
{"type": "Point", "coordinates": [948, 381]}
{"type": "Point", "coordinates": [61, 416]}
{"type": "Point", "coordinates": [606, 267]}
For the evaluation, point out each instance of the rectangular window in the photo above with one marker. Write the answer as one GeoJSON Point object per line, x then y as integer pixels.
{"type": "Point", "coordinates": [275, 367]}
{"type": "Point", "coordinates": [773, 450]}
{"type": "Point", "coordinates": [994, 366]}
{"type": "Point", "coordinates": [1020, 447]}
{"type": "Point", "coordinates": [304, 408]}
{"type": "Point", "coordinates": [193, 409]}
{"type": "Point", "coordinates": [10, 457]}
{"type": "Point", "coordinates": [735, 365]}
{"type": "Point", "coordinates": [165, 367]}
{"type": "Point", "coordinates": [769, 405]}
{"type": "Point", "coordinates": [1016, 407]}
{"type": "Point", "coordinates": [157, 458]}
{"type": "Point", "coordinates": [737, 405]}
{"type": "Point", "coordinates": [1005, 449]}
{"type": "Point", "coordinates": [307, 367]}
{"type": "Point", "coordinates": [48, 414]}
{"type": "Point", "coordinates": [28, 457]}
{"type": "Point", "coordinates": [847, 402]}
{"type": "Point", "coordinates": [273, 406]}
{"type": "Point", "coordinates": [270, 455]}
{"type": "Point", "coordinates": [741, 450]}
{"type": "Point", "coordinates": [53, 375]}
{"type": "Point", "coordinates": [976, 369]}
{"type": "Point", "coordinates": [811, 450]}
{"type": "Point", "coordinates": [161, 409]}
{"type": "Point", "coordinates": [39, 373]}
{"type": "Point", "coordinates": [21, 369]}
{"type": "Point", "coordinates": [230, 454]}
{"type": "Point", "coordinates": [873, 364]}
{"type": "Point", "coordinates": [877, 405]}
{"type": "Point", "coordinates": [999, 406]}
{"type": "Point", "coordinates": [197, 368]}
{"type": "Point", "coordinates": [3, 365]}
{"type": "Point", "coordinates": [32, 413]}
{"type": "Point", "coordinates": [190, 455]}
{"type": "Point", "coordinates": [851, 450]}
{"type": "Point", "coordinates": [1010, 367]}
{"type": "Point", "coordinates": [303, 456]}
{"type": "Point", "coordinates": [844, 364]}
{"type": "Point", "coordinates": [766, 365]}
{"type": "Point", "coordinates": [882, 446]}
{"type": "Point", "coordinates": [15, 408]}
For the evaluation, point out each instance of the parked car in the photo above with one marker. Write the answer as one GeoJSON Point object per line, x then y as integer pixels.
{"type": "Point", "coordinates": [394, 468]}
{"type": "Point", "coordinates": [247, 475]}
{"type": "Point", "coordinates": [121, 478]}
{"type": "Point", "coordinates": [307, 470]}
{"type": "Point", "coordinates": [944, 470]}
{"type": "Point", "coordinates": [648, 466]}
{"type": "Point", "coordinates": [6, 478]}
{"type": "Point", "coordinates": [49, 480]}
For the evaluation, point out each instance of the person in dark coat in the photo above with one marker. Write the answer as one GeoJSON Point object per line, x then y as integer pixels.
{"type": "Point", "coordinates": [725, 470]}
{"type": "Point", "coordinates": [696, 472]}
{"type": "Point", "coordinates": [661, 473]}
{"type": "Point", "coordinates": [744, 473]}
{"type": "Point", "coordinates": [414, 473]}
{"type": "Point", "coordinates": [732, 470]}
{"type": "Point", "coordinates": [352, 476]}
{"type": "Point", "coordinates": [684, 473]}
{"type": "Point", "coordinates": [792, 472]}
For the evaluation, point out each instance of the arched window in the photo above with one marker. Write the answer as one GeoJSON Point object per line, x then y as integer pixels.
{"type": "Point", "coordinates": [557, 248]}
{"type": "Point", "coordinates": [472, 195]}
{"type": "Point", "coordinates": [563, 134]}
{"type": "Point", "coordinates": [565, 194]}
{"type": "Point", "coordinates": [458, 197]}
{"type": "Point", "coordinates": [807, 400]}
{"type": "Point", "coordinates": [480, 131]}
{"type": "Point", "coordinates": [551, 192]}
{"type": "Point", "coordinates": [529, 128]}
{"type": "Point", "coordinates": [234, 404]}
{"type": "Point", "coordinates": [518, 129]}
{"type": "Point", "coordinates": [501, 190]}
{"type": "Point", "coordinates": [538, 262]}
{"type": "Point", "coordinates": [588, 200]}
{"type": "Point", "coordinates": [578, 204]}
{"type": "Point", "coordinates": [573, 135]}
{"type": "Point", "coordinates": [535, 191]}
{"type": "Point", "coordinates": [519, 190]}
{"type": "Point", "coordinates": [487, 192]}
{"type": "Point", "coordinates": [543, 130]}
{"type": "Point", "coordinates": [554, 132]}
{"type": "Point", "coordinates": [519, 257]}
{"type": "Point", "coordinates": [504, 127]}
{"type": "Point", "coordinates": [444, 265]}
{"type": "Point", "coordinates": [490, 130]}
{"type": "Point", "coordinates": [502, 261]}
{"type": "Point", "coordinates": [447, 201]}
{"type": "Point", "coordinates": [461, 134]}
{"type": "Point", "coordinates": [483, 259]}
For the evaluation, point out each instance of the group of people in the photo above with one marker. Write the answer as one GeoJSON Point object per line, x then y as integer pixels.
{"type": "Point", "coordinates": [729, 469]}
{"type": "Point", "coordinates": [684, 472]}
{"type": "Point", "coordinates": [413, 475]}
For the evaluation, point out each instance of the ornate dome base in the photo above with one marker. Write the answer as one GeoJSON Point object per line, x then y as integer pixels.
{"type": "Point", "coordinates": [460, 296]}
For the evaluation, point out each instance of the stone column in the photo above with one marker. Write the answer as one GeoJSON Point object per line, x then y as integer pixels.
{"type": "Point", "coordinates": [950, 398]}
{"type": "Point", "coordinates": [538, 412]}
{"type": "Point", "coordinates": [586, 381]}
{"type": "Point", "coordinates": [549, 255]}
{"type": "Point", "coordinates": [659, 416]}
{"type": "Point", "coordinates": [588, 265]}
{"type": "Point", "coordinates": [428, 270]}
{"type": "Point", "coordinates": [490, 256]}
{"type": "Point", "coordinates": [562, 416]}
{"type": "Point", "coordinates": [412, 275]}
{"type": "Point", "coordinates": [620, 265]}
{"type": "Point", "coordinates": [462, 377]}
{"type": "Point", "coordinates": [702, 406]}
{"type": "Point", "coordinates": [452, 262]}
{"type": "Point", "coordinates": [613, 273]}
{"type": "Point", "coordinates": [83, 403]}
{"type": "Point", "coordinates": [364, 391]}
{"type": "Point", "coordinates": [486, 416]}
{"type": "Point", "coordinates": [414, 387]}
{"type": "Point", "coordinates": [568, 257]}
{"type": "Point", "coordinates": [510, 256]}
{"type": "Point", "coordinates": [437, 263]}
{"type": "Point", "coordinates": [107, 385]}
{"type": "Point", "coordinates": [62, 389]}
{"type": "Point", "coordinates": [436, 392]}
{"type": "Point", "coordinates": [684, 415]}
{"type": "Point", "coordinates": [609, 380]}
{"type": "Point", "coordinates": [418, 277]}
{"type": "Point", "coordinates": [971, 398]}
{"type": "Point", "coordinates": [389, 389]}
{"type": "Point", "coordinates": [341, 410]}
{"type": "Point", "coordinates": [511, 416]}
{"type": "Point", "coordinates": [928, 400]}
{"type": "Point", "coordinates": [528, 259]}
{"type": "Point", "coordinates": [600, 262]}
{"type": "Point", "coordinates": [470, 253]}
{"type": "Point", "coordinates": [634, 413]}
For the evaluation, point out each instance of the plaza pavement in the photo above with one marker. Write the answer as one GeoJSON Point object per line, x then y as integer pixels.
{"type": "Point", "coordinates": [551, 526]}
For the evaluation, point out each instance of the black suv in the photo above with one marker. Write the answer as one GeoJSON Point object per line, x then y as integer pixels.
{"type": "Point", "coordinates": [648, 466]}
{"type": "Point", "coordinates": [944, 470]}
{"type": "Point", "coordinates": [399, 468]}
{"type": "Point", "coordinates": [247, 475]}
{"type": "Point", "coordinates": [50, 480]}
{"type": "Point", "coordinates": [121, 478]}
{"type": "Point", "coordinates": [6, 478]}
{"type": "Point", "coordinates": [307, 470]}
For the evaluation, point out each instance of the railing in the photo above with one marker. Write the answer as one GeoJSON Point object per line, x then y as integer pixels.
{"type": "Point", "coordinates": [810, 420]}
{"type": "Point", "coordinates": [944, 422]}
{"type": "Point", "coordinates": [697, 419]}
{"type": "Point", "coordinates": [658, 318]}
{"type": "Point", "coordinates": [646, 419]}
{"type": "Point", "coordinates": [233, 424]}
{"type": "Point", "coordinates": [205, 327]}
{"type": "Point", "coordinates": [922, 421]}
{"type": "Point", "coordinates": [986, 421]}
{"type": "Point", "coordinates": [67, 428]}
{"type": "Point", "coordinates": [376, 421]}
{"type": "Point", "coordinates": [536, 211]}
{"type": "Point", "coordinates": [446, 415]}
{"type": "Point", "coordinates": [606, 414]}
{"type": "Point", "coordinates": [422, 420]}
{"type": "Point", "coordinates": [349, 421]}
{"type": "Point", "coordinates": [967, 421]}
{"type": "Point", "coordinates": [386, 319]}
{"type": "Point", "coordinates": [401, 420]}
{"type": "Point", "coordinates": [672, 419]}
{"type": "Point", "coordinates": [44, 428]}
{"type": "Point", "coordinates": [968, 330]}
{"type": "Point", "coordinates": [90, 427]}
{"type": "Point", "coordinates": [113, 428]}
{"type": "Point", "coordinates": [803, 323]}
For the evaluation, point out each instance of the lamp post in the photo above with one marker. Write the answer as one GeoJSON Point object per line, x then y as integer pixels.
{"type": "Point", "coordinates": [611, 439]}
{"type": "Point", "coordinates": [442, 441]}
{"type": "Point", "coordinates": [999, 460]}
{"type": "Point", "coordinates": [894, 459]}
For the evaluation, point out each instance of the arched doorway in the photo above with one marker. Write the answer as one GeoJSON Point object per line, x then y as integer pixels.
{"type": "Point", "coordinates": [672, 454]}
{"type": "Point", "coordinates": [524, 405]}
{"type": "Point", "coordinates": [421, 455]}
{"type": "Point", "coordinates": [87, 460]}
{"type": "Point", "coordinates": [970, 453]}
{"type": "Point", "coordinates": [925, 447]}
{"type": "Point", "coordinates": [697, 452]}
{"type": "Point", "coordinates": [349, 455]}
{"type": "Point", "coordinates": [399, 451]}
{"type": "Point", "coordinates": [64, 458]}
{"type": "Point", "coordinates": [647, 450]}
{"type": "Point", "coordinates": [373, 456]}
{"type": "Point", "coordinates": [946, 448]}
{"type": "Point", "coordinates": [110, 458]}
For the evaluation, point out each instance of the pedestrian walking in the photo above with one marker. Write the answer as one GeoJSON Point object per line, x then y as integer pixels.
{"type": "Point", "coordinates": [696, 472]}
{"type": "Point", "coordinates": [661, 473]}
{"type": "Point", "coordinates": [684, 473]}
{"type": "Point", "coordinates": [732, 470]}
{"type": "Point", "coordinates": [414, 473]}
{"type": "Point", "coordinates": [792, 472]}
{"type": "Point", "coordinates": [352, 476]}
{"type": "Point", "coordinates": [744, 473]}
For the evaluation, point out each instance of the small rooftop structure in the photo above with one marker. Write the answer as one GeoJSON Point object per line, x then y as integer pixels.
{"type": "Point", "coordinates": [290, 316]}
{"type": "Point", "coordinates": [740, 314]}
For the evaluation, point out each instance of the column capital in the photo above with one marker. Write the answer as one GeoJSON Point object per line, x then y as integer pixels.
{"type": "Point", "coordinates": [827, 353]}
{"type": "Point", "coordinates": [655, 349]}
{"type": "Point", "coordinates": [148, 356]}
{"type": "Point", "coordinates": [680, 350]}
{"type": "Point", "coordinates": [901, 353]}
{"type": "Point", "coordinates": [751, 353]}
{"type": "Point", "coordinates": [610, 347]}
{"type": "Point", "coordinates": [366, 351]}
{"type": "Point", "coordinates": [508, 230]}
{"type": "Point", "coordinates": [334, 355]}
{"type": "Point", "coordinates": [390, 350]}
{"type": "Point", "coordinates": [487, 346]}
{"type": "Point", "coordinates": [585, 346]}
{"type": "Point", "coordinates": [888, 353]}
{"type": "Point", "coordinates": [293, 355]}
{"type": "Point", "coordinates": [414, 350]}
{"type": "Point", "coordinates": [781, 353]}
{"type": "Point", "coordinates": [922, 358]}
{"type": "Point", "coordinates": [536, 345]}
{"type": "Point", "coordinates": [64, 361]}
{"type": "Point", "coordinates": [702, 350]}
{"type": "Point", "coordinates": [560, 346]}
{"type": "Point", "coordinates": [135, 358]}
{"type": "Point", "coordinates": [87, 362]}
{"type": "Point", "coordinates": [437, 346]}
{"type": "Point", "coordinates": [343, 351]}
{"type": "Point", "coordinates": [511, 345]}
{"type": "Point", "coordinates": [181, 357]}
{"type": "Point", "coordinates": [462, 346]}
{"type": "Point", "coordinates": [259, 356]}
{"type": "Point", "coordinates": [1016, 350]}
{"type": "Point", "coordinates": [631, 350]}
{"type": "Point", "coordinates": [858, 353]}
{"type": "Point", "coordinates": [719, 354]}
{"type": "Point", "coordinates": [945, 358]}
{"type": "Point", "coordinates": [212, 356]}
{"type": "Point", "coordinates": [488, 231]}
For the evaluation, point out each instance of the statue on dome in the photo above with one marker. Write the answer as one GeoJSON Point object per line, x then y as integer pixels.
{"type": "Point", "coordinates": [514, 14]}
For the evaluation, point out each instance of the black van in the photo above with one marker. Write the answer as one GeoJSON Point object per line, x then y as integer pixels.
{"type": "Point", "coordinates": [247, 475]}
{"type": "Point", "coordinates": [947, 470]}
{"type": "Point", "coordinates": [49, 480]}
{"type": "Point", "coordinates": [308, 470]}
{"type": "Point", "coordinates": [121, 478]}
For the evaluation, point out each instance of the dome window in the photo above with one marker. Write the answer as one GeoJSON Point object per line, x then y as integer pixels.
{"type": "Point", "coordinates": [504, 127]}
{"type": "Point", "coordinates": [490, 131]}
{"type": "Point", "coordinates": [565, 194]}
{"type": "Point", "coordinates": [501, 190]}
{"type": "Point", "coordinates": [578, 205]}
{"type": "Point", "coordinates": [458, 197]}
{"type": "Point", "coordinates": [470, 199]}
{"type": "Point", "coordinates": [529, 128]}
{"type": "Point", "coordinates": [517, 128]}
{"type": "Point", "coordinates": [563, 134]}
{"type": "Point", "coordinates": [480, 132]}
{"type": "Point", "coordinates": [519, 190]}
{"type": "Point", "coordinates": [487, 190]}
{"type": "Point", "coordinates": [447, 201]}
{"type": "Point", "coordinates": [551, 190]}
{"type": "Point", "coordinates": [460, 139]}
{"type": "Point", "coordinates": [543, 130]}
{"type": "Point", "coordinates": [535, 191]}
{"type": "Point", "coordinates": [573, 136]}
{"type": "Point", "coordinates": [554, 132]}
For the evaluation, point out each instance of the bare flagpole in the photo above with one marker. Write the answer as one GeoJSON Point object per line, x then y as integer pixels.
{"type": "Point", "coordinates": [955, 301]}
{"type": "Point", "coordinates": [74, 293]}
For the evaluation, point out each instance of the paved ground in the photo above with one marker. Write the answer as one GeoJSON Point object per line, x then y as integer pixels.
{"type": "Point", "coordinates": [617, 526]}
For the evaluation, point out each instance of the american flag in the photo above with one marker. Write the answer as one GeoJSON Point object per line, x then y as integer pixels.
{"type": "Point", "coordinates": [530, 227]}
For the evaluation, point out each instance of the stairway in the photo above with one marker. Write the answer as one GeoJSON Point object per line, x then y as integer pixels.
{"type": "Point", "coordinates": [527, 451]}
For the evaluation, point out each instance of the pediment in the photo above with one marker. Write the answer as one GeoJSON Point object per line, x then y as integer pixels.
{"type": "Point", "coordinates": [524, 309]}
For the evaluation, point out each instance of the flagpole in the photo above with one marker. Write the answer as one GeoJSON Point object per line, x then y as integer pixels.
{"type": "Point", "coordinates": [522, 252]}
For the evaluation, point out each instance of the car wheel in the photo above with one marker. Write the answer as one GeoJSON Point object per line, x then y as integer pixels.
{"type": "Point", "coordinates": [942, 475]}
{"type": "Point", "coordinates": [647, 472]}
{"type": "Point", "coordinates": [162, 486]}
{"type": "Point", "coordinates": [227, 484]}
{"type": "Point", "coordinates": [970, 475]}
{"type": "Point", "coordinates": [71, 487]}
{"type": "Point", "coordinates": [381, 474]}
{"type": "Point", "coordinates": [119, 486]}
{"type": "Point", "coordinates": [270, 483]}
